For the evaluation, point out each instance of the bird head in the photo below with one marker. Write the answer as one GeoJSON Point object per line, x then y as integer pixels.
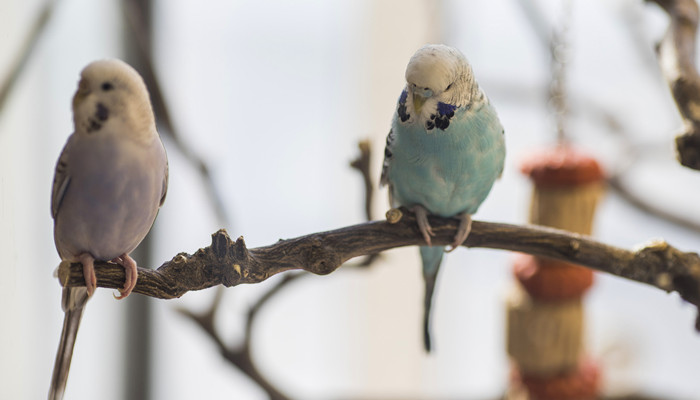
{"type": "Point", "coordinates": [439, 73]}
{"type": "Point", "coordinates": [111, 90]}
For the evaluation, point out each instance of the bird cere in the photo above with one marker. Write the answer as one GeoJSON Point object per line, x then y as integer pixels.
{"type": "Point", "coordinates": [443, 153]}
{"type": "Point", "coordinates": [110, 180]}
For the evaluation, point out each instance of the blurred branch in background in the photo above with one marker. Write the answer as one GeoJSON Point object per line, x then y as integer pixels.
{"type": "Point", "coordinates": [138, 332]}
{"type": "Point", "coordinates": [138, 25]}
{"type": "Point", "coordinates": [616, 182]}
{"type": "Point", "coordinates": [631, 154]}
{"type": "Point", "coordinates": [679, 45]}
{"type": "Point", "coordinates": [30, 42]}
{"type": "Point", "coordinates": [240, 356]}
{"type": "Point", "coordinates": [676, 54]}
{"type": "Point", "coordinates": [362, 165]}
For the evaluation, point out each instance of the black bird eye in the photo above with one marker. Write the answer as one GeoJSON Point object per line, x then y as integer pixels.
{"type": "Point", "coordinates": [107, 86]}
{"type": "Point", "coordinates": [448, 87]}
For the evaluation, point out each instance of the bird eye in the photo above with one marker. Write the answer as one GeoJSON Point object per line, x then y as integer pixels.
{"type": "Point", "coordinates": [107, 86]}
{"type": "Point", "coordinates": [448, 87]}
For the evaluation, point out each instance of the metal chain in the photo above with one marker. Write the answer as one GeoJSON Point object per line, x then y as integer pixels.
{"type": "Point", "coordinates": [560, 51]}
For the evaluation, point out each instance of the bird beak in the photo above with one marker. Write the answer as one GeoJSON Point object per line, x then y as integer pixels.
{"type": "Point", "coordinates": [81, 93]}
{"type": "Point", "coordinates": [418, 102]}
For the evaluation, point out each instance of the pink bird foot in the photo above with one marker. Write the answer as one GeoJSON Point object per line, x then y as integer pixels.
{"type": "Point", "coordinates": [465, 227]}
{"type": "Point", "coordinates": [89, 272]}
{"type": "Point", "coordinates": [423, 224]}
{"type": "Point", "coordinates": [131, 273]}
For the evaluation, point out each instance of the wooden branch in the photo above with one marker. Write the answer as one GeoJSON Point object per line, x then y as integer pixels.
{"type": "Point", "coordinates": [676, 53]}
{"type": "Point", "coordinates": [231, 263]}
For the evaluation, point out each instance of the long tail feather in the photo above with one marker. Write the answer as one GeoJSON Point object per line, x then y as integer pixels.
{"type": "Point", "coordinates": [431, 258]}
{"type": "Point", "coordinates": [73, 304]}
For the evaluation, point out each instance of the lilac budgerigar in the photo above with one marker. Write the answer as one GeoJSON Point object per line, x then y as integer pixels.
{"type": "Point", "coordinates": [109, 183]}
{"type": "Point", "coordinates": [444, 151]}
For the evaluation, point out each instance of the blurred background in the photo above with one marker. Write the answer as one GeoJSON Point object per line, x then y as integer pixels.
{"type": "Point", "coordinates": [274, 95]}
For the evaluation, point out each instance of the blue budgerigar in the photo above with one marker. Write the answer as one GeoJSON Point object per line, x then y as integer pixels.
{"type": "Point", "coordinates": [444, 151]}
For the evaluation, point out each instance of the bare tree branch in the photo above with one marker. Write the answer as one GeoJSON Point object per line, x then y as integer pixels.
{"type": "Point", "coordinates": [231, 263]}
{"type": "Point", "coordinates": [676, 53]}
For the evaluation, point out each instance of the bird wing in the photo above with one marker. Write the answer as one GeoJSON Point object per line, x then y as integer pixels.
{"type": "Point", "coordinates": [61, 179]}
{"type": "Point", "coordinates": [164, 190]}
{"type": "Point", "coordinates": [388, 154]}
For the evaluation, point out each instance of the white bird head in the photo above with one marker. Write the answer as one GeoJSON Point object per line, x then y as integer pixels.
{"type": "Point", "coordinates": [439, 73]}
{"type": "Point", "coordinates": [109, 92]}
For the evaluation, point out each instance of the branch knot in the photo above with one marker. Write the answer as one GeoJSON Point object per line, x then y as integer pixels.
{"type": "Point", "coordinates": [322, 259]}
{"type": "Point", "coordinates": [231, 258]}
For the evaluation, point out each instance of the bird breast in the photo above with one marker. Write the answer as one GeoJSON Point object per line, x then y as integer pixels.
{"type": "Point", "coordinates": [108, 210]}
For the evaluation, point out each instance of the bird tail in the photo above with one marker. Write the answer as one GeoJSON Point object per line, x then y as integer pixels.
{"type": "Point", "coordinates": [431, 258]}
{"type": "Point", "coordinates": [73, 304]}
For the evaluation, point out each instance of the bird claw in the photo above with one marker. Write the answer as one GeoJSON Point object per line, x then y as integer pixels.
{"type": "Point", "coordinates": [423, 225]}
{"type": "Point", "coordinates": [89, 272]}
{"type": "Point", "coordinates": [465, 227]}
{"type": "Point", "coordinates": [131, 275]}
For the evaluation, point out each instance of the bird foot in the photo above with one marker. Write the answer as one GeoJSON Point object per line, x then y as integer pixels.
{"type": "Point", "coordinates": [131, 275]}
{"type": "Point", "coordinates": [465, 227]}
{"type": "Point", "coordinates": [89, 272]}
{"type": "Point", "coordinates": [423, 224]}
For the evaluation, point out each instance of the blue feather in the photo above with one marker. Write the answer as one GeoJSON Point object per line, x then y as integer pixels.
{"type": "Point", "coordinates": [445, 109]}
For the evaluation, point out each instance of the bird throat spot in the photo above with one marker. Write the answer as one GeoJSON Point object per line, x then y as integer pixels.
{"type": "Point", "coordinates": [102, 112]}
{"type": "Point", "coordinates": [441, 120]}
{"type": "Point", "coordinates": [101, 115]}
{"type": "Point", "coordinates": [403, 114]}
